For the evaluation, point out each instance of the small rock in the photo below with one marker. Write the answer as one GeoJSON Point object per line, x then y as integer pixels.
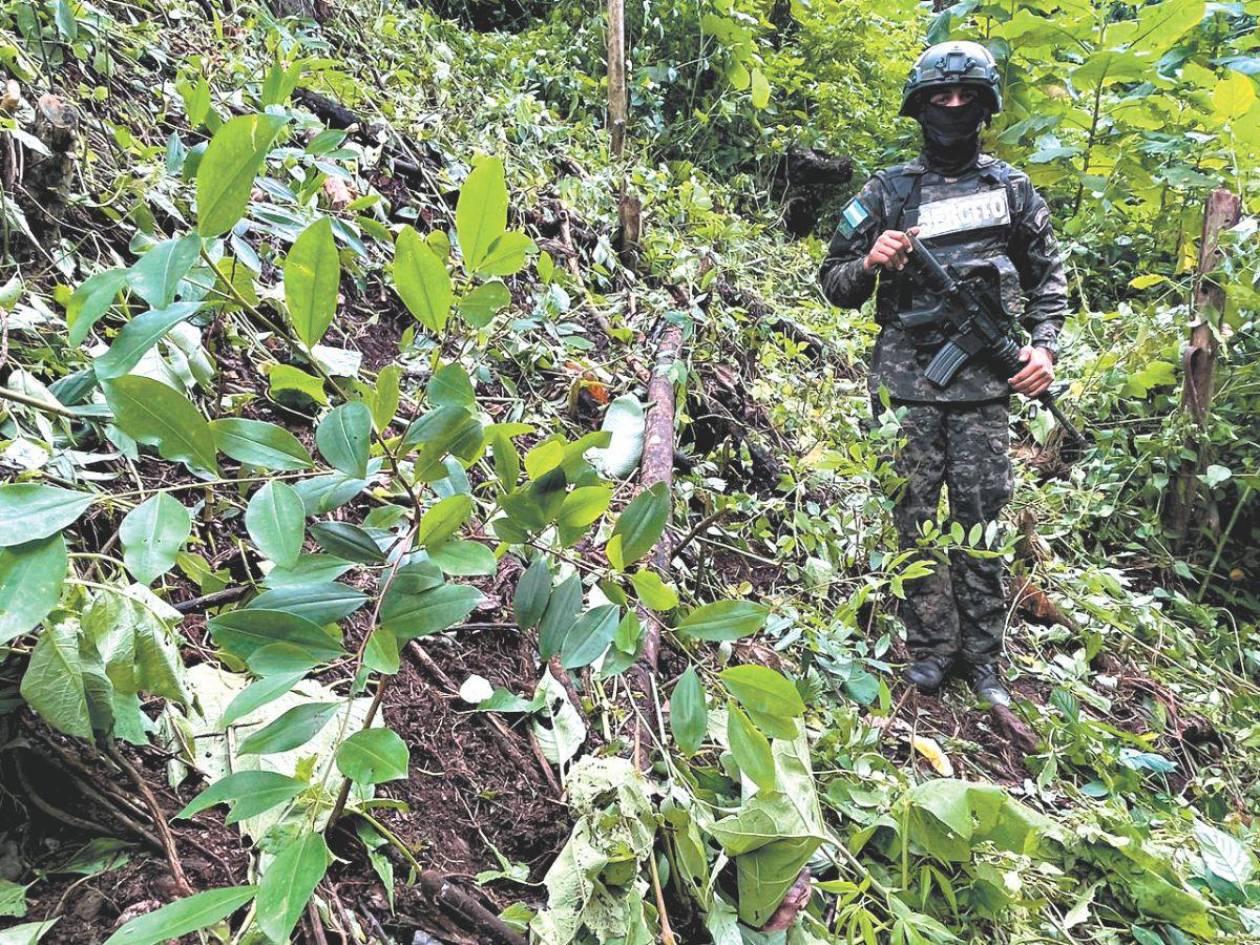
{"type": "Point", "coordinates": [88, 906]}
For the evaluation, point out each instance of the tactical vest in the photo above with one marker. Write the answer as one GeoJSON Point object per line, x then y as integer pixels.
{"type": "Point", "coordinates": [967, 222]}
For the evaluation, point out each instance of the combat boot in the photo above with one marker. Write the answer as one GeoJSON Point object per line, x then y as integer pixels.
{"type": "Point", "coordinates": [988, 684]}
{"type": "Point", "coordinates": [928, 672]}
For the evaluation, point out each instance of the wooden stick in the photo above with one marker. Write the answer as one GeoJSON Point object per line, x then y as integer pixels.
{"type": "Point", "coordinates": [159, 819]}
{"type": "Point", "coordinates": [1222, 211]}
{"type": "Point", "coordinates": [617, 99]}
{"type": "Point", "coordinates": [467, 911]}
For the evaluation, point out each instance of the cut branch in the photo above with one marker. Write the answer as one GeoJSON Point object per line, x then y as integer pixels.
{"type": "Point", "coordinates": [1222, 211]}
{"type": "Point", "coordinates": [467, 912]}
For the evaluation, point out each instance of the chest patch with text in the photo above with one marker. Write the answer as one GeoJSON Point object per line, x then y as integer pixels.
{"type": "Point", "coordinates": [972, 212]}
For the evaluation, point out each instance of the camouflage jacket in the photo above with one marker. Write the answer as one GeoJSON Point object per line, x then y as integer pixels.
{"type": "Point", "coordinates": [989, 215]}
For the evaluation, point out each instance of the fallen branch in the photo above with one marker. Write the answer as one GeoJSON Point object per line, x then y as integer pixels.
{"type": "Point", "coordinates": [467, 912]}
{"type": "Point", "coordinates": [1017, 733]}
{"type": "Point", "coordinates": [656, 466]}
{"type": "Point", "coordinates": [206, 601]}
{"type": "Point", "coordinates": [1035, 605]}
{"type": "Point", "coordinates": [159, 819]}
{"type": "Point", "coordinates": [814, 345]}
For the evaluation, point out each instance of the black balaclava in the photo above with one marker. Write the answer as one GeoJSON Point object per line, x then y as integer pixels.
{"type": "Point", "coordinates": [951, 134]}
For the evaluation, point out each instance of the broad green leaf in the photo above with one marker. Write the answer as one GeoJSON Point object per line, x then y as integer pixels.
{"type": "Point", "coordinates": [450, 387]}
{"type": "Point", "coordinates": [640, 526]}
{"type": "Point", "coordinates": [387, 396]}
{"type": "Point", "coordinates": [138, 336]}
{"type": "Point", "coordinates": [53, 682]}
{"type": "Point", "coordinates": [1106, 67]}
{"type": "Point", "coordinates": [562, 610]}
{"type": "Point", "coordinates": [152, 413]}
{"type": "Point", "coordinates": [249, 793]}
{"type": "Point", "coordinates": [349, 541]}
{"type": "Point", "coordinates": [258, 694]}
{"type": "Point", "coordinates": [31, 577]}
{"type": "Point", "coordinates": [281, 659]}
{"type": "Point", "coordinates": [292, 730]}
{"type": "Point", "coordinates": [533, 590]}
{"type": "Point", "coordinates": [383, 652]}
{"type": "Point", "coordinates": [156, 276]}
{"type": "Point", "coordinates": [343, 438]}
{"type": "Point", "coordinates": [446, 429]}
{"type": "Point", "coordinates": [130, 632]}
{"type": "Point", "coordinates": [760, 91]}
{"type": "Point", "coordinates": [464, 558]}
{"type": "Point", "coordinates": [27, 933]}
{"type": "Point", "coordinates": [177, 919]}
{"type": "Point", "coordinates": [312, 278]}
{"type": "Point", "coordinates": [322, 494]}
{"type": "Point", "coordinates": [724, 620]}
{"type": "Point", "coordinates": [688, 714]}
{"type": "Point", "coordinates": [761, 689]}
{"type": "Point", "coordinates": [654, 593]}
{"type": "Point", "coordinates": [260, 443]}
{"type": "Point", "coordinates": [443, 520]}
{"type": "Point", "coordinates": [319, 601]}
{"type": "Point", "coordinates": [243, 631]}
{"type": "Point", "coordinates": [420, 615]}
{"type": "Point", "coordinates": [151, 536]}
{"type": "Point", "coordinates": [30, 511]}
{"type": "Point", "coordinates": [91, 300]}
{"type": "Point", "coordinates": [1223, 855]}
{"type": "Point", "coordinates": [422, 281]}
{"type": "Point", "coordinates": [506, 255]}
{"type": "Point", "coordinates": [227, 170]}
{"type": "Point", "coordinates": [416, 578]}
{"type": "Point", "coordinates": [372, 756]}
{"type": "Point", "coordinates": [275, 519]}
{"type": "Point", "coordinates": [581, 507]}
{"type": "Point", "coordinates": [481, 211]}
{"type": "Point", "coordinates": [588, 636]}
{"type": "Point", "coordinates": [479, 306]}
{"type": "Point", "coordinates": [283, 377]}
{"type": "Point", "coordinates": [289, 882]}
{"type": "Point", "coordinates": [750, 748]}
{"type": "Point", "coordinates": [1233, 96]}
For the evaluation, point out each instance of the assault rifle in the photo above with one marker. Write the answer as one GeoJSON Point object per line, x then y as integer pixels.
{"type": "Point", "coordinates": [973, 317]}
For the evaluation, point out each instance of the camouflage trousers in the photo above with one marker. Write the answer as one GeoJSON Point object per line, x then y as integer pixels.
{"type": "Point", "coordinates": [960, 608]}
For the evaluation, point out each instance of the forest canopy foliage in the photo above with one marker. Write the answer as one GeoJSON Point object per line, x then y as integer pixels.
{"type": "Point", "coordinates": [334, 561]}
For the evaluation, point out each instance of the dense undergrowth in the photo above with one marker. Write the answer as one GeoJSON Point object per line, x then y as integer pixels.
{"type": "Point", "coordinates": [322, 396]}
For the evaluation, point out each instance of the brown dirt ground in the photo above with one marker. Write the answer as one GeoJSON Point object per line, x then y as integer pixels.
{"type": "Point", "coordinates": [469, 793]}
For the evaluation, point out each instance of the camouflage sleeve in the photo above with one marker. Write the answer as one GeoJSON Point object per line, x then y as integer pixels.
{"type": "Point", "coordinates": [844, 282]}
{"type": "Point", "coordinates": [1035, 252]}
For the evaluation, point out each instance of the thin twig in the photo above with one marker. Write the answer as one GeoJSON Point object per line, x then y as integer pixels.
{"type": "Point", "coordinates": [159, 819]}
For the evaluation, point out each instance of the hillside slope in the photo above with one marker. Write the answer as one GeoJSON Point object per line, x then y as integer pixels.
{"type": "Point", "coordinates": [344, 513]}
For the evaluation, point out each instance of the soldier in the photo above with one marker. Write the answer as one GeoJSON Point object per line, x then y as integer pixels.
{"type": "Point", "coordinates": [974, 212]}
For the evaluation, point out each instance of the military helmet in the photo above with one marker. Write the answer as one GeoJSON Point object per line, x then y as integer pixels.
{"type": "Point", "coordinates": [953, 63]}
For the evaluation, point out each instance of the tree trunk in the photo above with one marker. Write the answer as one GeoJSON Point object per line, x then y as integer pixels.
{"type": "Point", "coordinates": [1221, 212]}
{"type": "Point", "coordinates": [628, 205]}
{"type": "Point", "coordinates": [617, 77]}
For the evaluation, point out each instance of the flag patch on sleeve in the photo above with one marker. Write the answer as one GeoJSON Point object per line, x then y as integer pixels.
{"type": "Point", "coordinates": [853, 216]}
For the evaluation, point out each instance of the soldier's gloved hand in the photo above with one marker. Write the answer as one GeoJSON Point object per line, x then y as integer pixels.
{"type": "Point", "coordinates": [890, 250]}
{"type": "Point", "coordinates": [1036, 374]}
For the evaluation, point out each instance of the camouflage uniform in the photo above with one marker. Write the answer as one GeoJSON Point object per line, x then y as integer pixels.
{"type": "Point", "coordinates": [957, 435]}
